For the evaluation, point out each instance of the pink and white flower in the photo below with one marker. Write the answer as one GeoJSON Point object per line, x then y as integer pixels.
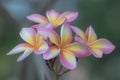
{"type": "Point", "coordinates": [95, 46]}
{"type": "Point", "coordinates": [54, 17]}
{"type": "Point", "coordinates": [34, 43]}
{"type": "Point", "coordinates": [62, 46]}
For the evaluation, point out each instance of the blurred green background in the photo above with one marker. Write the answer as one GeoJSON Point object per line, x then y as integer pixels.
{"type": "Point", "coordinates": [103, 15]}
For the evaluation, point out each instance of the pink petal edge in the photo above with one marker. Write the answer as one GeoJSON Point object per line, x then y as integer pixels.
{"type": "Point", "coordinates": [51, 53]}
{"type": "Point", "coordinates": [37, 18]}
{"type": "Point", "coordinates": [68, 60]}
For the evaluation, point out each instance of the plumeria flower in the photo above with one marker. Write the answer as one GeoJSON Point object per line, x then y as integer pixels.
{"type": "Point", "coordinates": [95, 46]}
{"type": "Point", "coordinates": [54, 17]}
{"type": "Point", "coordinates": [62, 46]}
{"type": "Point", "coordinates": [34, 43]}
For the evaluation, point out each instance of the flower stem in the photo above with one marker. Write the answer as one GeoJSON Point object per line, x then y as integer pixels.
{"type": "Point", "coordinates": [56, 76]}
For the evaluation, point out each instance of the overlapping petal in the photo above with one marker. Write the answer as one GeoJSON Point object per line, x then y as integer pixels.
{"type": "Point", "coordinates": [52, 34]}
{"type": "Point", "coordinates": [68, 59]}
{"type": "Point", "coordinates": [19, 48]}
{"type": "Point", "coordinates": [59, 21]}
{"type": "Point", "coordinates": [55, 18]}
{"type": "Point", "coordinates": [78, 49]}
{"type": "Point", "coordinates": [41, 48]}
{"type": "Point", "coordinates": [103, 45]}
{"type": "Point", "coordinates": [46, 25]}
{"type": "Point", "coordinates": [91, 34]}
{"type": "Point", "coordinates": [25, 54]}
{"type": "Point", "coordinates": [37, 18]}
{"type": "Point", "coordinates": [96, 52]}
{"type": "Point", "coordinates": [51, 53]}
{"type": "Point", "coordinates": [39, 38]}
{"type": "Point", "coordinates": [28, 35]}
{"type": "Point", "coordinates": [78, 39]}
{"type": "Point", "coordinates": [66, 34]}
{"type": "Point", "coordinates": [69, 15]}
{"type": "Point", "coordinates": [80, 33]}
{"type": "Point", "coordinates": [52, 15]}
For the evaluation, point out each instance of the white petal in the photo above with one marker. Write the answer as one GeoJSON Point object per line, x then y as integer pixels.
{"type": "Point", "coordinates": [19, 48]}
{"type": "Point", "coordinates": [25, 54]}
{"type": "Point", "coordinates": [51, 53]}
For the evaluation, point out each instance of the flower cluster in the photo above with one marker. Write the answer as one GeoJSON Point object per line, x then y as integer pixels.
{"type": "Point", "coordinates": [42, 39]}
